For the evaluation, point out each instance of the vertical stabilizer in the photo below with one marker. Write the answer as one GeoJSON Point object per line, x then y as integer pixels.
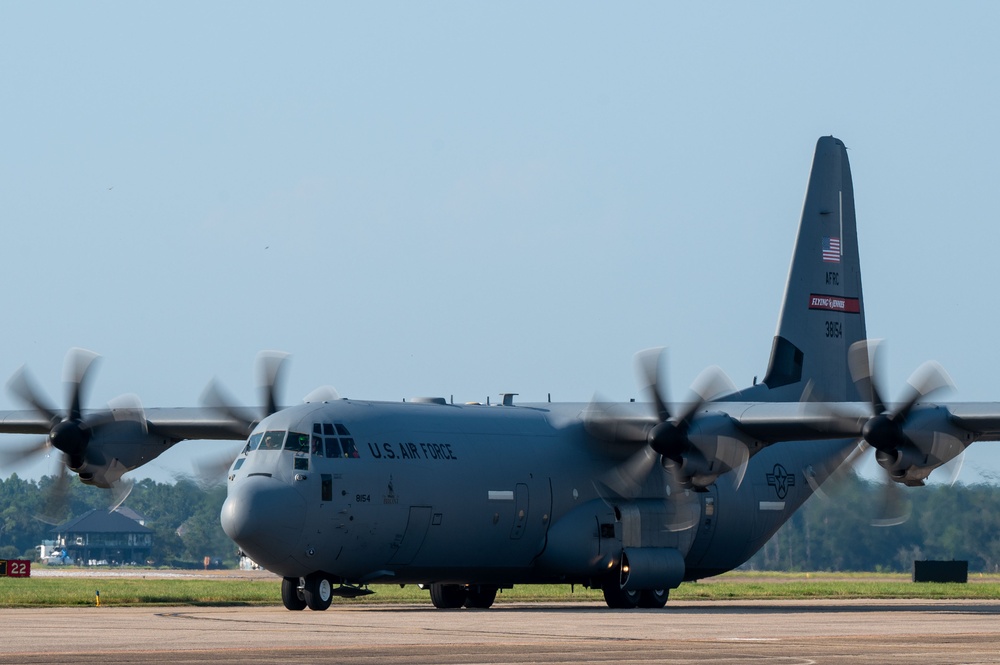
{"type": "Point", "coordinates": [823, 310]}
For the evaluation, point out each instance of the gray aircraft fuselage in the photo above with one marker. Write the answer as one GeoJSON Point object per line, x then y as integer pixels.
{"type": "Point", "coordinates": [472, 494]}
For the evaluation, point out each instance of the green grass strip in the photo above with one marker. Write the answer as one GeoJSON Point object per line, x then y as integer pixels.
{"type": "Point", "coordinates": [136, 591]}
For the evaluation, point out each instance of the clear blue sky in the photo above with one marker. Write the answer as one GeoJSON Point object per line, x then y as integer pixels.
{"type": "Point", "coordinates": [468, 198]}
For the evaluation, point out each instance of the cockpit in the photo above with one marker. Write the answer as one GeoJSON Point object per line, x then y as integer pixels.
{"type": "Point", "coordinates": [328, 440]}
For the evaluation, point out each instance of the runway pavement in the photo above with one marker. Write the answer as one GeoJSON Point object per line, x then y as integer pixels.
{"type": "Point", "coordinates": [786, 632]}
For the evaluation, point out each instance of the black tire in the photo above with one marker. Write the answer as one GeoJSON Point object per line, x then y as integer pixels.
{"type": "Point", "coordinates": [318, 592]}
{"type": "Point", "coordinates": [618, 598]}
{"type": "Point", "coordinates": [481, 596]}
{"type": "Point", "coordinates": [448, 596]}
{"type": "Point", "coordinates": [291, 595]}
{"type": "Point", "coordinates": [653, 598]}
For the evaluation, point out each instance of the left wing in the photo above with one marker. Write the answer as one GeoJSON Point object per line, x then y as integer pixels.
{"type": "Point", "coordinates": [100, 445]}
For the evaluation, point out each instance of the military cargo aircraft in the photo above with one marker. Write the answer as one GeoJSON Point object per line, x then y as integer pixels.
{"type": "Point", "coordinates": [467, 499]}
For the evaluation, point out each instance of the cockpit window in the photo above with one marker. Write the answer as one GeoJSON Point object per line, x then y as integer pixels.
{"type": "Point", "coordinates": [253, 442]}
{"type": "Point", "coordinates": [296, 442]}
{"type": "Point", "coordinates": [272, 441]}
{"type": "Point", "coordinates": [333, 448]}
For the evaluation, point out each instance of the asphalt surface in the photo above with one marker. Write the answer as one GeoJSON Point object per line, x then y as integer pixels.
{"type": "Point", "coordinates": [786, 632]}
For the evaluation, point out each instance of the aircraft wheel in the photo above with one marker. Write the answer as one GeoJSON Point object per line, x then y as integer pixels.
{"type": "Point", "coordinates": [448, 596]}
{"type": "Point", "coordinates": [618, 598]}
{"type": "Point", "coordinates": [318, 592]}
{"type": "Point", "coordinates": [481, 596]}
{"type": "Point", "coordinates": [653, 598]}
{"type": "Point", "coordinates": [291, 595]}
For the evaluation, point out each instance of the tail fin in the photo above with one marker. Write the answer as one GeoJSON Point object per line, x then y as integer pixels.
{"type": "Point", "coordinates": [823, 311]}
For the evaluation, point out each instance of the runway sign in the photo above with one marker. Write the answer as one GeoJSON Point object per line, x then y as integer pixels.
{"type": "Point", "coordinates": [15, 568]}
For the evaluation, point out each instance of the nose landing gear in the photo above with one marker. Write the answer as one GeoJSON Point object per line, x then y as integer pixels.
{"type": "Point", "coordinates": [314, 591]}
{"type": "Point", "coordinates": [291, 595]}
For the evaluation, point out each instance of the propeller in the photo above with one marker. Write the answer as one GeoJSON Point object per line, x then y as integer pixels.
{"type": "Point", "coordinates": [909, 442]}
{"type": "Point", "coordinates": [695, 446]}
{"type": "Point", "coordinates": [698, 448]}
{"type": "Point", "coordinates": [71, 432]}
{"type": "Point", "coordinates": [270, 369]}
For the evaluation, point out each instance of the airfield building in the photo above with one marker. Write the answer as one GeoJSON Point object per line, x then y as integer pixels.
{"type": "Point", "coordinates": [101, 538]}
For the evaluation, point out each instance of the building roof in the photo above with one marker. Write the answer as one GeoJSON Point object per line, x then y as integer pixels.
{"type": "Point", "coordinates": [131, 514]}
{"type": "Point", "coordinates": [101, 521]}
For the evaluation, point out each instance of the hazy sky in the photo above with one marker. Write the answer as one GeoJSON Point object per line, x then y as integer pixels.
{"type": "Point", "coordinates": [470, 198]}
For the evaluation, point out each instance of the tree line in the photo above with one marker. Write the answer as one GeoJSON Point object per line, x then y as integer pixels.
{"type": "Point", "coordinates": [833, 533]}
{"type": "Point", "coordinates": [184, 517]}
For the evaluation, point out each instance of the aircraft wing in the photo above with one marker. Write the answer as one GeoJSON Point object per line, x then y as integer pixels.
{"type": "Point", "coordinates": [181, 423]}
{"type": "Point", "coordinates": [24, 422]}
{"type": "Point", "coordinates": [177, 423]}
{"type": "Point", "coordinates": [101, 445]}
{"type": "Point", "coordinates": [912, 438]}
{"type": "Point", "coordinates": [799, 421]}
{"type": "Point", "coordinates": [769, 422]}
{"type": "Point", "coordinates": [773, 422]}
{"type": "Point", "coordinates": [980, 418]}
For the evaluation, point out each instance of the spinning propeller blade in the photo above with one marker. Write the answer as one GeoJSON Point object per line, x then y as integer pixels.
{"type": "Point", "coordinates": [71, 430]}
{"type": "Point", "coordinates": [695, 447]}
{"type": "Point", "coordinates": [906, 460]}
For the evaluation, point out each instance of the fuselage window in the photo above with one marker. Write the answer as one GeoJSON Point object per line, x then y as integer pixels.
{"type": "Point", "coordinates": [272, 441]}
{"type": "Point", "coordinates": [298, 443]}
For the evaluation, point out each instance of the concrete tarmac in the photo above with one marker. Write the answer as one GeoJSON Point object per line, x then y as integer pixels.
{"type": "Point", "coordinates": [785, 632]}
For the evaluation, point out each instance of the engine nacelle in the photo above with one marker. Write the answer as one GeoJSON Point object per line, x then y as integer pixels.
{"type": "Point", "coordinates": [715, 447]}
{"type": "Point", "coordinates": [651, 568]}
{"type": "Point", "coordinates": [931, 440]}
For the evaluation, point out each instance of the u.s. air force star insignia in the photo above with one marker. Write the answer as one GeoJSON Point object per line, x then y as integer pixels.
{"type": "Point", "coordinates": [780, 480]}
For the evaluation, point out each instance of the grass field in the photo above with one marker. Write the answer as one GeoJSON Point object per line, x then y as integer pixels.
{"type": "Point", "coordinates": [136, 590]}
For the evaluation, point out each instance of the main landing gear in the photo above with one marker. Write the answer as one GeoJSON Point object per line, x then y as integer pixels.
{"type": "Point", "coordinates": [618, 598]}
{"type": "Point", "coordinates": [454, 596]}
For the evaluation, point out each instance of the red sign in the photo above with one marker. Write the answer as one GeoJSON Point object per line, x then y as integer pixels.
{"type": "Point", "coordinates": [15, 568]}
{"type": "Point", "coordinates": [835, 303]}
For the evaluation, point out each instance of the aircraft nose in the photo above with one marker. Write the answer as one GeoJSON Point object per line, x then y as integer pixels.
{"type": "Point", "coordinates": [264, 517]}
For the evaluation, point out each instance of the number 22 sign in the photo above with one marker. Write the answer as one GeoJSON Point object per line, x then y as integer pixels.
{"type": "Point", "coordinates": [15, 568]}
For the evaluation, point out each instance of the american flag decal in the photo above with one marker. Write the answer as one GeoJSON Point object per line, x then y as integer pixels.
{"type": "Point", "coordinates": [831, 250]}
